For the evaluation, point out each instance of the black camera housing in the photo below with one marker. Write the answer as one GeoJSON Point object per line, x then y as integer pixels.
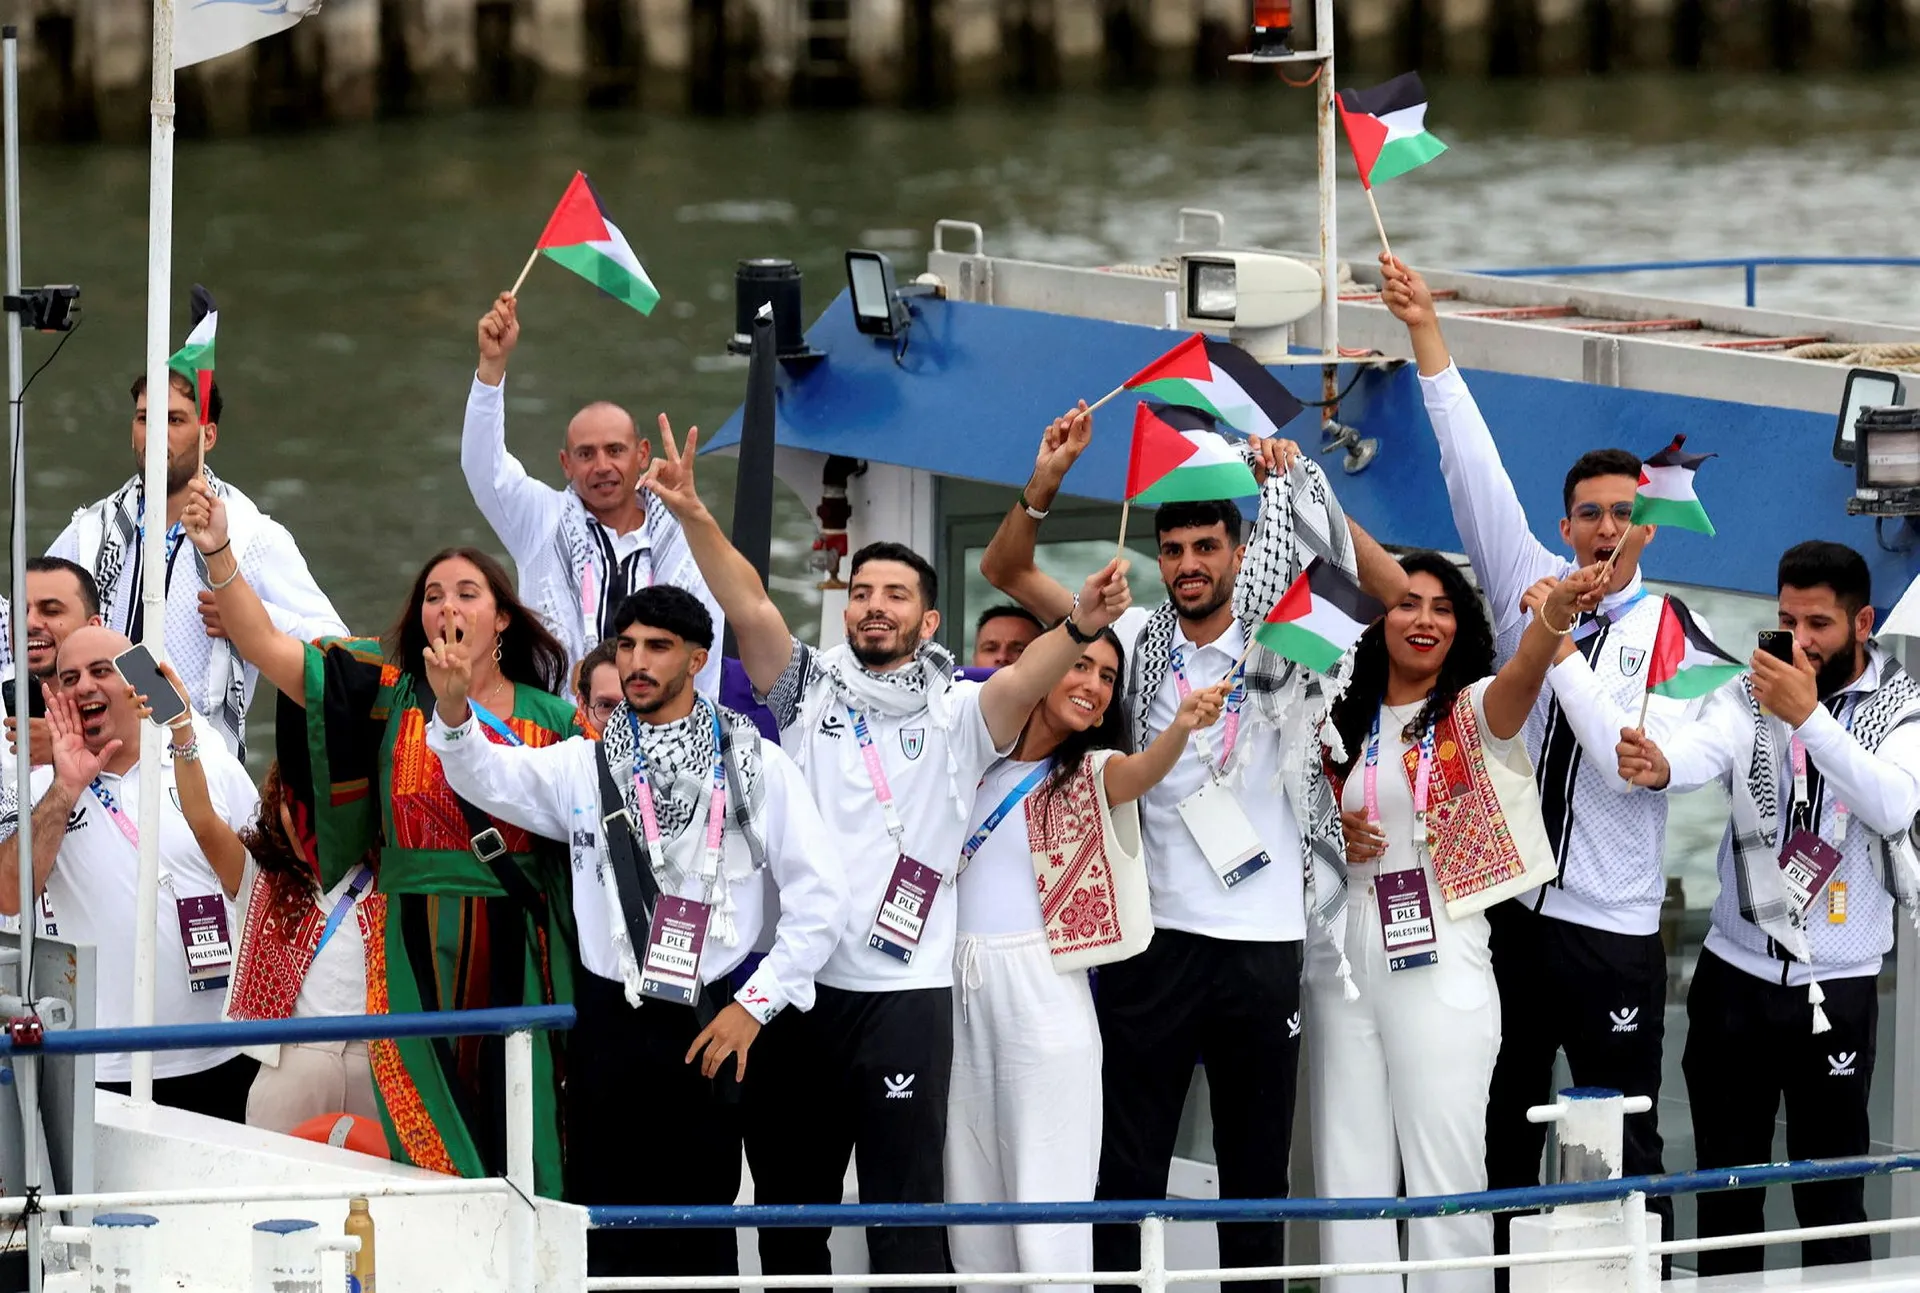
{"type": "Point", "coordinates": [47, 309]}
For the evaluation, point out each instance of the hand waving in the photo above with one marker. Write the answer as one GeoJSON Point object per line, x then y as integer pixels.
{"type": "Point", "coordinates": [74, 765]}
{"type": "Point", "coordinates": [670, 476]}
{"type": "Point", "coordinates": [499, 331]}
{"type": "Point", "coordinates": [1065, 440]}
{"type": "Point", "coordinates": [1272, 456]}
{"type": "Point", "coordinates": [1103, 597]}
{"type": "Point", "coordinates": [1405, 293]}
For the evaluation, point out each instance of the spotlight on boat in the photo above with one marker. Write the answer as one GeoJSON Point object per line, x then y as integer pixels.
{"type": "Point", "coordinates": [1886, 463]}
{"type": "Point", "coordinates": [1272, 28]}
{"type": "Point", "coordinates": [879, 304]}
{"type": "Point", "coordinates": [769, 281]}
{"type": "Point", "coordinates": [1866, 388]}
{"type": "Point", "coordinates": [1257, 294]}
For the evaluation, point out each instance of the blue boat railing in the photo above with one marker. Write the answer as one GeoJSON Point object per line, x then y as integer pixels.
{"type": "Point", "coordinates": [1750, 264]}
{"type": "Point", "coordinates": [495, 1022]}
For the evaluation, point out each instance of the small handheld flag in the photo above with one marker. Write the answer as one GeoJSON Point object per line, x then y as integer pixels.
{"type": "Point", "coordinates": [1221, 380]}
{"type": "Point", "coordinates": [1319, 618]}
{"type": "Point", "coordinates": [1665, 495]}
{"type": "Point", "coordinates": [580, 236]}
{"type": "Point", "coordinates": [1685, 663]}
{"type": "Point", "coordinates": [1177, 457]}
{"type": "Point", "coordinates": [1386, 127]}
{"type": "Point", "coordinates": [194, 359]}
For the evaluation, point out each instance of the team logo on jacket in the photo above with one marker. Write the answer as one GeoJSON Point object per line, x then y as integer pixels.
{"type": "Point", "coordinates": [1293, 1024]}
{"type": "Point", "coordinates": [1631, 658]}
{"type": "Point", "coordinates": [912, 741]}
{"type": "Point", "coordinates": [1841, 1065]}
{"type": "Point", "coordinates": [1625, 1021]}
{"type": "Point", "coordinates": [899, 1086]}
{"type": "Point", "coordinates": [833, 725]}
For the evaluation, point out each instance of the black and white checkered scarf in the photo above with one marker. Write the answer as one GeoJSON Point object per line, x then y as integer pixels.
{"type": "Point", "coordinates": [1757, 839]}
{"type": "Point", "coordinates": [1298, 519]}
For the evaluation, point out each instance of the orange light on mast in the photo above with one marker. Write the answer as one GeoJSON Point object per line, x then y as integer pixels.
{"type": "Point", "coordinates": [1272, 27]}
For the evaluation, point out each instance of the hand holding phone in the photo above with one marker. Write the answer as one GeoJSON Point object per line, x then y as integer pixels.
{"type": "Point", "coordinates": [164, 701]}
{"type": "Point", "coordinates": [1777, 643]}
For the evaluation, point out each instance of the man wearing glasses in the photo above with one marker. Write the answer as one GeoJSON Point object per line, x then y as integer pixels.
{"type": "Point", "coordinates": [596, 687]}
{"type": "Point", "coordinates": [1579, 961]}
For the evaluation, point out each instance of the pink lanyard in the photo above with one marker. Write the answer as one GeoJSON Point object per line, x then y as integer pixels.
{"type": "Point", "coordinates": [120, 819]}
{"type": "Point", "coordinates": [1230, 722]}
{"type": "Point", "coordinates": [716, 802]}
{"type": "Point", "coordinates": [1801, 794]}
{"type": "Point", "coordinates": [878, 775]}
{"type": "Point", "coordinates": [1421, 778]}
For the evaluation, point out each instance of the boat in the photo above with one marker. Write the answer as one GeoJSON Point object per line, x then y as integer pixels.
{"type": "Point", "coordinates": [909, 411]}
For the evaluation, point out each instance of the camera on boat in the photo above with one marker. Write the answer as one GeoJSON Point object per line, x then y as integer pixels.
{"type": "Point", "coordinates": [1881, 439]}
{"type": "Point", "coordinates": [879, 305]}
{"type": "Point", "coordinates": [1257, 294]}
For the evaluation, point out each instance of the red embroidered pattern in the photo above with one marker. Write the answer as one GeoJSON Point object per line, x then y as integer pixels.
{"type": "Point", "coordinates": [425, 813]}
{"type": "Point", "coordinates": [419, 1139]}
{"type": "Point", "coordinates": [1472, 847]}
{"type": "Point", "coordinates": [273, 961]}
{"type": "Point", "coordinates": [1075, 880]}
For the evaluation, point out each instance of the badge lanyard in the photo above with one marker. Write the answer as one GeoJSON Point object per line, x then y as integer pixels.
{"type": "Point", "coordinates": [878, 776]}
{"type": "Point", "coordinates": [203, 917]}
{"type": "Point", "coordinates": [716, 801]}
{"type": "Point", "coordinates": [994, 818]}
{"type": "Point", "coordinates": [494, 723]}
{"type": "Point", "coordinates": [1802, 798]}
{"type": "Point", "coordinates": [1603, 619]}
{"type": "Point", "coordinates": [362, 877]}
{"type": "Point", "coordinates": [120, 819]}
{"type": "Point", "coordinates": [1230, 720]}
{"type": "Point", "coordinates": [1421, 780]}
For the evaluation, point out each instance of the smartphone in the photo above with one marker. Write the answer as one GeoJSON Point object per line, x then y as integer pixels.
{"type": "Point", "coordinates": [1777, 643]}
{"type": "Point", "coordinates": [144, 676]}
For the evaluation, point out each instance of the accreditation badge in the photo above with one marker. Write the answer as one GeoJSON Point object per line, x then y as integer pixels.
{"type": "Point", "coordinates": [671, 969]}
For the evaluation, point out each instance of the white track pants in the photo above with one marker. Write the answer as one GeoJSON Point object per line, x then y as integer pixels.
{"type": "Point", "coordinates": [1399, 1081]}
{"type": "Point", "coordinates": [1023, 1111]}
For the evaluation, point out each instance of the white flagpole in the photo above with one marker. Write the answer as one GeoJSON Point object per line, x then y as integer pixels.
{"type": "Point", "coordinates": [153, 555]}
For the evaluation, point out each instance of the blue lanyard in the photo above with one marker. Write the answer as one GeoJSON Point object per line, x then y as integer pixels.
{"type": "Point", "coordinates": [491, 720]}
{"type": "Point", "coordinates": [998, 815]}
{"type": "Point", "coordinates": [1421, 778]}
{"type": "Point", "coordinates": [361, 879]}
{"type": "Point", "coordinates": [1602, 619]}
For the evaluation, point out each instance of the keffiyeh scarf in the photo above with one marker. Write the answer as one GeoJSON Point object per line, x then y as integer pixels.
{"type": "Point", "coordinates": [668, 559]}
{"type": "Point", "coordinates": [1757, 821]}
{"type": "Point", "coordinates": [1298, 519]}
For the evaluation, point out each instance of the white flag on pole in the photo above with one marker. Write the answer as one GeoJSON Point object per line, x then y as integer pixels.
{"type": "Point", "coordinates": [204, 29]}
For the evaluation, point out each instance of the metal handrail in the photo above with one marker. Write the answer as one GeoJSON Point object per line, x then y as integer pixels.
{"type": "Point", "coordinates": [492, 1022]}
{"type": "Point", "coordinates": [1751, 264]}
{"type": "Point", "coordinates": [774, 1215]}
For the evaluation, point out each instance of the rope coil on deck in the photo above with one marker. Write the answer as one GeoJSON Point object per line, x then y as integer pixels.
{"type": "Point", "coordinates": [1903, 355]}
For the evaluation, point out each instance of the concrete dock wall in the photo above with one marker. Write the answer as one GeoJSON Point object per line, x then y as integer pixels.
{"type": "Point", "coordinates": [84, 62]}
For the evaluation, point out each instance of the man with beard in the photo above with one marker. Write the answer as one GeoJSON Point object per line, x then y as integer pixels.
{"type": "Point", "coordinates": [1221, 979]}
{"type": "Point", "coordinates": [668, 897]}
{"type": "Point", "coordinates": [580, 550]}
{"type": "Point", "coordinates": [892, 747]}
{"type": "Point", "coordinates": [86, 856]}
{"type": "Point", "coordinates": [1822, 757]}
{"type": "Point", "coordinates": [1578, 961]}
{"type": "Point", "coordinates": [106, 539]}
{"type": "Point", "coordinates": [61, 597]}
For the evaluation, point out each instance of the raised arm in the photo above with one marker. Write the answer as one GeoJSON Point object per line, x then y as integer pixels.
{"type": "Point", "coordinates": [243, 616]}
{"type": "Point", "coordinates": [219, 842]}
{"type": "Point", "coordinates": [1555, 603]}
{"type": "Point", "coordinates": [1008, 564]}
{"type": "Point", "coordinates": [74, 768]}
{"type": "Point", "coordinates": [1130, 776]}
{"type": "Point", "coordinates": [766, 645]}
{"type": "Point", "coordinates": [1008, 697]}
{"type": "Point", "coordinates": [521, 510]}
{"type": "Point", "coordinates": [1486, 510]}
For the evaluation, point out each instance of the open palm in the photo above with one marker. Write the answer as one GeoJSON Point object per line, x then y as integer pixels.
{"type": "Point", "coordinates": [74, 765]}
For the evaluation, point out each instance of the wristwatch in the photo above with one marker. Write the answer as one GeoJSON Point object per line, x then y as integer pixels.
{"type": "Point", "coordinates": [1073, 630]}
{"type": "Point", "coordinates": [1037, 513]}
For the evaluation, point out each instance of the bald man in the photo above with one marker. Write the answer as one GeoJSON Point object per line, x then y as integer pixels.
{"type": "Point", "coordinates": [86, 855]}
{"type": "Point", "coordinates": [582, 549]}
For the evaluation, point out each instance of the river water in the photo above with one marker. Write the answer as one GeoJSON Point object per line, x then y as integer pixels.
{"type": "Point", "coordinates": [350, 265]}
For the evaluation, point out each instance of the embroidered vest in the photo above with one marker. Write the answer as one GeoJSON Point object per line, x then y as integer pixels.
{"type": "Point", "coordinates": [1091, 876]}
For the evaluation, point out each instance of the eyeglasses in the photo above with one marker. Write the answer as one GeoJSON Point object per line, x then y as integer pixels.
{"type": "Point", "coordinates": [603, 709]}
{"type": "Point", "coordinates": [1589, 513]}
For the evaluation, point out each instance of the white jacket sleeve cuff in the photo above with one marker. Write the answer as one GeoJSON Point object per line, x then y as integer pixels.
{"type": "Point", "coordinates": [762, 997]}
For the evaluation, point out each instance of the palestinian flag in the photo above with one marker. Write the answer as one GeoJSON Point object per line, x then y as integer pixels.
{"type": "Point", "coordinates": [1685, 662]}
{"type": "Point", "coordinates": [1178, 457]}
{"type": "Point", "coordinates": [1666, 496]}
{"type": "Point", "coordinates": [1387, 128]}
{"type": "Point", "coordinates": [194, 360]}
{"type": "Point", "coordinates": [1319, 619]}
{"type": "Point", "coordinates": [581, 237]}
{"type": "Point", "coordinates": [1222, 381]}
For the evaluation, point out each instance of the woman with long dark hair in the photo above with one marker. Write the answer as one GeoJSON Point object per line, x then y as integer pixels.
{"type": "Point", "coordinates": [1051, 882]}
{"type": "Point", "coordinates": [1399, 1075]}
{"type": "Point", "coordinates": [477, 912]}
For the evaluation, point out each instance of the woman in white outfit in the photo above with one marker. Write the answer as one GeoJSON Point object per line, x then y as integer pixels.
{"type": "Point", "coordinates": [1398, 1077]}
{"type": "Point", "coordinates": [1051, 881]}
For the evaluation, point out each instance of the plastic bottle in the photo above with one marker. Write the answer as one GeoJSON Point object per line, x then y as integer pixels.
{"type": "Point", "coordinates": [360, 1264]}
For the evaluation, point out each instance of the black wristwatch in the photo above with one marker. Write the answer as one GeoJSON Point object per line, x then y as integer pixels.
{"type": "Point", "coordinates": [1073, 630]}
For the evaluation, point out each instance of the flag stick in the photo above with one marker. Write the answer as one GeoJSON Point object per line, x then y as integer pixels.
{"type": "Point", "coordinates": [1645, 697]}
{"type": "Point", "coordinates": [1118, 390]}
{"type": "Point", "coordinates": [1377, 224]}
{"type": "Point", "coordinates": [525, 270]}
{"type": "Point", "coordinates": [200, 452]}
{"type": "Point", "coordinates": [1606, 571]}
{"type": "Point", "coordinates": [1120, 548]}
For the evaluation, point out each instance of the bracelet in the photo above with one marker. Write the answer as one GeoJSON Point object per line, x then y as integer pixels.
{"type": "Point", "coordinates": [1559, 633]}
{"type": "Point", "coordinates": [191, 752]}
{"type": "Point", "coordinates": [217, 584]}
{"type": "Point", "coordinates": [217, 551]}
{"type": "Point", "coordinates": [1037, 513]}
